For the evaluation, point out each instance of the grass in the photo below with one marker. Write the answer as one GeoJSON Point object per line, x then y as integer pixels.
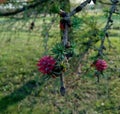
{"type": "Point", "coordinates": [21, 86]}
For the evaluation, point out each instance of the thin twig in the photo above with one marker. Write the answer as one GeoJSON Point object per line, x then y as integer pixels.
{"type": "Point", "coordinates": [107, 27]}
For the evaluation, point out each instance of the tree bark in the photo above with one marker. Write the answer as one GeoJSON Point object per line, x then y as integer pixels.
{"type": "Point", "coordinates": [65, 6]}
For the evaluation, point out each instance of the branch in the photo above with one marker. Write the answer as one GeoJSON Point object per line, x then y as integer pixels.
{"type": "Point", "coordinates": [79, 8]}
{"type": "Point", "coordinates": [108, 26]}
{"type": "Point", "coordinates": [23, 9]}
{"type": "Point", "coordinates": [105, 3]}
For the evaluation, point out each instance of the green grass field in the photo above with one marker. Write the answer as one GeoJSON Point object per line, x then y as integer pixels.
{"type": "Point", "coordinates": [21, 89]}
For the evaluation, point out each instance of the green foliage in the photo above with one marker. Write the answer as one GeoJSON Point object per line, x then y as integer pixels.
{"type": "Point", "coordinates": [59, 51]}
{"type": "Point", "coordinates": [76, 22]}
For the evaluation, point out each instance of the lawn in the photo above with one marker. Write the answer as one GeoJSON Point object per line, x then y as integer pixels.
{"type": "Point", "coordinates": [23, 90]}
